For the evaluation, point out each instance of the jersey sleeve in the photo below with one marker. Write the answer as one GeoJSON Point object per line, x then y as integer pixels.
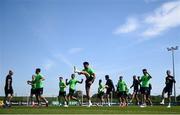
{"type": "Point", "coordinates": [91, 71]}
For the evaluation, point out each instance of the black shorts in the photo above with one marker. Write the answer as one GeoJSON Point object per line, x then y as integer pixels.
{"type": "Point", "coordinates": [144, 90]}
{"type": "Point", "coordinates": [122, 93]}
{"type": "Point", "coordinates": [39, 91]}
{"type": "Point", "coordinates": [100, 94]}
{"type": "Point", "coordinates": [87, 85]}
{"type": "Point", "coordinates": [168, 90]}
{"type": "Point", "coordinates": [108, 91]}
{"type": "Point", "coordinates": [8, 91]}
{"type": "Point", "coordinates": [33, 91]}
{"type": "Point", "coordinates": [148, 93]}
{"type": "Point", "coordinates": [62, 93]}
{"type": "Point", "coordinates": [136, 91]}
{"type": "Point", "coordinates": [71, 92]}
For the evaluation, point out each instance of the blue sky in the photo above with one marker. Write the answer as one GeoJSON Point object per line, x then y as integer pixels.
{"type": "Point", "coordinates": [117, 37]}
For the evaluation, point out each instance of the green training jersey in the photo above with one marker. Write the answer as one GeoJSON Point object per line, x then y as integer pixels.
{"type": "Point", "coordinates": [38, 81]}
{"type": "Point", "coordinates": [33, 85]}
{"type": "Point", "coordinates": [145, 79]}
{"type": "Point", "coordinates": [89, 71]}
{"type": "Point", "coordinates": [101, 88]}
{"type": "Point", "coordinates": [62, 86]}
{"type": "Point", "coordinates": [72, 84]}
{"type": "Point", "coordinates": [121, 85]}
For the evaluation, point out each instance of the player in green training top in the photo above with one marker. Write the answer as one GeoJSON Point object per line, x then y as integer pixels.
{"type": "Point", "coordinates": [72, 85]}
{"type": "Point", "coordinates": [121, 90]}
{"type": "Point", "coordinates": [145, 80]}
{"type": "Point", "coordinates": [39, 86]}
{"type": "Point", "coordinates": [90, 77]}
{"type": "Point", "coordinates": [101, 90]}
{"type": "Point", "coordinates": [62, 91]}
{"type": "Point", "coordinates": [33, 89]}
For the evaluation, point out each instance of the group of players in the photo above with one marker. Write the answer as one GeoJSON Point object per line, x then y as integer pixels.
{"type": "Point", "coordinates": [141, 87]}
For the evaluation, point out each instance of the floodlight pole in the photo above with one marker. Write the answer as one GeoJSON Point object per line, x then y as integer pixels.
{"type": "Point", "coordinates": [172, 49]}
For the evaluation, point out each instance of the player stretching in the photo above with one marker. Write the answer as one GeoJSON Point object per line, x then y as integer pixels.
{"type": "Point", "coordinates": [33, 89]}
{"type": "Point", "coordinates": [144, 86]}
{"type": "Point", "coordinates": [110, 88]}
{"type": "Point", "coordinates": [135, 85]}
{"type": "Point", "coordinates": [100, 94]}
{"type": "Point", "coordinates": [121, 90]}
{"type": "Point", "coordinates": [72, 85]}
{"type": "Point", "coordinates": [8, 89]}
{"type": "Point", "coordinates": [90, 77]}
{"type": "Point", "coordinates": [168, 88]}
{"type": "Point", "coordinates": [62, 92]}
{"type": "Point", "coordinates": [39, 86]}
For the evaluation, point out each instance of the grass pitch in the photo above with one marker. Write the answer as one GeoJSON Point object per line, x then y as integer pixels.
{"type": "Point", "coordinates": [91, 110]}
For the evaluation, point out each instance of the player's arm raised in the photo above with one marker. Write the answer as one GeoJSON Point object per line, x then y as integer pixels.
{"type": "Point", "coordinates": [80, 81]}
{"type": "Point", "coordinates": [29, 82]}
{"type": "Point", "coordinates": [67, 83]}
{"type": "Point", "coordinates": [149, 75]}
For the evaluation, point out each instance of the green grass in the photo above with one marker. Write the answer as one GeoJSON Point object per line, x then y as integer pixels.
{"type": "Point", "coordinates": [91, 110]}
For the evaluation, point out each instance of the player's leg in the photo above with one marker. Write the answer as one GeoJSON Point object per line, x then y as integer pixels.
{"type": "Point", "coordinates": [98, 99]}
{"type": "Point", "coordinates": [123, 100]}
{"type": "Point", "coordinates": [149, 99]}
{"type": "Point", "coordinates": [142, 96]}
{"type": "Point", "coordinates": [31, 99]}
{"type": "Point", "coordinates": [65, 99]}
{"type": "Point", "coordinates": [10, 96]}
{"type": "Point", "coordinates": [126, 99]}
{"type": "Point", "coordinates": [137, 98]}
{"type": "Point", "coordinates": [6, 98]}
{"type": "Point", "coordinates": [32, 93]}
{"type": "Point", "coordinates": [87, 87]}
{"type": "Point", "coordinates": [143, 93]}
{"type": "Point", "coordinates": [37, 96]}
{"type": "Point", "coordinates": [163, 93]}
{"type": "Point", "coordinates": [145, 99]}
{"type": "Point", "coordinates": [69, 98]}
{"type": "Point", "coordinates": [59, 100]}
{"type": "Point", "coordinates": [43, 98]}
{"type": "Point", "coordinates": [102, 98]}
{"type": "Point", "coordinates": [169, 98]}
{"type": "Point", "coordinates": [107, 97]}
{"type": "Point", "coordinates": [73, 97]}
{"type": "Point", "coordinates": [120, 101]}
{"type": "Point", "coordinates": [133, 96]}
